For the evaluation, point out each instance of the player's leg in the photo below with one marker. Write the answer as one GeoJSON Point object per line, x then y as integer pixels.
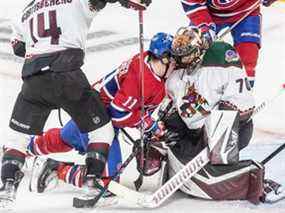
{"type": "Point", "coordinates": [58, 140]}
{"type": "Point", "coordinates": [46, 171]}
{"type": "Point", "coordinates": [247, 41]}
{"type": "Point", "coordinates": [27, 119]}
{"type": "Point", "coordinates": [48, 142]}
{"type": "Point", "coordinates": [88, 112]}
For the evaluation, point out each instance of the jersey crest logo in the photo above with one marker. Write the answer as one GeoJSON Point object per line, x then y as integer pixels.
{"type": "Point", "coordinates": [224, 3]}
{"type": "Point", "coordinates": [231, 56]}
{"type": "Point", "coordinates": [193, 103]}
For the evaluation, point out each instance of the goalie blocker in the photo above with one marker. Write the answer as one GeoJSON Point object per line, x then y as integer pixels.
{"type": "Point", "coordinates": [225, 177]}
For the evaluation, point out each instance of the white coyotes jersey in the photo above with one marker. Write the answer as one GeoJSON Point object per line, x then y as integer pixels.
{"type": "Point", "coordinates": [197, 94]}
{"type": "Point", "coordinates": [52, 25]}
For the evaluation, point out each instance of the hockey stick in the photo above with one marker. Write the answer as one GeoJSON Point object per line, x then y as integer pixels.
{"type": "Point", "coordinates": [139, 180]}
{"type": "Point", "coordinates": [273, 154]}
{"type": "Point", "coordinates": [253, 7]}
{"type": "Point", "coordinates": [82, 203]}
{"type": "Point", "coordinates": [164, 192]}
{"type": "Point", "coordinates": [268, 101]}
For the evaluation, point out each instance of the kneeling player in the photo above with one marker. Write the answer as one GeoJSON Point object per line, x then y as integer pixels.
{"type": "Point", "coordinates": [121, 94]}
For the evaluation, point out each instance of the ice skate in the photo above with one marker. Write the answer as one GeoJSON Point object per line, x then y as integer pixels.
{"type": "Point", "coordinates": [273, 192]}
{"type": "Point", "coordinates": [44, 176]}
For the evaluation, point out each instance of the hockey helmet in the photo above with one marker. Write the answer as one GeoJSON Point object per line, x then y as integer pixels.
{"type": "Point", "coordinates": [160, 46]}
{"type": "Point", "coordinates": [187, 47]}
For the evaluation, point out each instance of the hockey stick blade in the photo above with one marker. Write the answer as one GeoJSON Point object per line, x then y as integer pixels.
{"type": "Point", "coordinates": [89, 203]}
{"type": "Point", "coordinates": [80, 203]}
{"type": "Point", "coordinates": [164, 192]}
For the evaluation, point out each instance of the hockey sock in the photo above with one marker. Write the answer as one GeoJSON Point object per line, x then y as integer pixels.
{"type": "Point", "coordinates": [74, 174]}
{"type": "Point", "coordinates": [248, 52]}
{"type": "Point", "coordinates": [97, 154]}
{"type": "Point", "coordinates": [49, 142]}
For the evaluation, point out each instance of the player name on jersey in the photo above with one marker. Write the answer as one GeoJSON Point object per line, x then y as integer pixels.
{"type": "Point", "coordinates": [41, 4]}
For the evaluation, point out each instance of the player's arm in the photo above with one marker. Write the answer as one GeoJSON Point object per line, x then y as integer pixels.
{"type": "Point", "coordinates": [17, 40]}
{"type": "Point", "coordinates": [125, 107]}
{"type": "Point", "coordinates": [198, 14]}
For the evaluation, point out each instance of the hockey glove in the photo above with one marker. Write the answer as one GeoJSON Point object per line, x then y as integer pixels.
{"type": "Point", "coordinates": [19, 47]}
{"type": "Point", "coordinates": [126, 3]}
{"type": "Point", "coordinates": [171, 138]}
{"type": "Point", "coordinates": [207, 39]}
{"type": "Point", "coordinates": [154, 130]}
{"type": "Point", "coordinates": [112, 1]}
{"type": "Point", "coordinates": [97, 4]}
{"type": "Point", "coordinates": [146, 2]}
{"type": "Point", "coordinates": [267, 3]}
{"type": "Point", "coordinates": [208, 35]}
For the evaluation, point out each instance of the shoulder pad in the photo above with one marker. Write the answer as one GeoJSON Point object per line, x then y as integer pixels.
{"type": "Point", "coordinates": [221, 54]}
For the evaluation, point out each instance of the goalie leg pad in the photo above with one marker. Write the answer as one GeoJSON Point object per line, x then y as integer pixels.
{"type": "Point", "coordinates": [222, 128]}
{"type": "Point", "coordinates": [241, 181]}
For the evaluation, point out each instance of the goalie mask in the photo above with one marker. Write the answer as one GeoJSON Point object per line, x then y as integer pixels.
{"type": "Point", "coordinates": [187, 48]}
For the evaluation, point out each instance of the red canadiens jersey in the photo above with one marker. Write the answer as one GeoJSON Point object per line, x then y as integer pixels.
{"type": "Point", "coordinates": [122, 94]}
{"type": "Point", "coordinates": [207, 12]}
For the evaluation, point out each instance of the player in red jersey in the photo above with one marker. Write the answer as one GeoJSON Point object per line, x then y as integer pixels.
{"type": "Point", "coordinates": [120, 92]}
{"type": "Point", "coordinates": [213, 15]}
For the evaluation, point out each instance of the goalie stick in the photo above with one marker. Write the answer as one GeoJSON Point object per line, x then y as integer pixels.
{"type": "Point", "coordinates": [269, 101]}
{"type": "Point", "coordinates": [273, 154]}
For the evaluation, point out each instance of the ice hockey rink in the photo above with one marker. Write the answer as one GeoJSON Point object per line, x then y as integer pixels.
{"type": "Point", "coordinates": [113, 38]}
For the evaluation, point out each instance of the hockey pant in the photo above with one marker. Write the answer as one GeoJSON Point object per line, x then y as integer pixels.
{"type": "Point", "coordinates": [69, 137]}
